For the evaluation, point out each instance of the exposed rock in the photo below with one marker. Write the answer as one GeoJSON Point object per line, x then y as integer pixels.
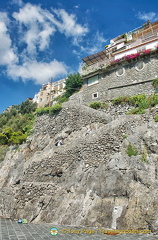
{"type": "Point", "coordinates": [90, 180]}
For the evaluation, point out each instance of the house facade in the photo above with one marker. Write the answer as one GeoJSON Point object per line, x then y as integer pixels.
{"type": "Point", "coordinates": [127, 66]}
{"type": "Point", "coordinates": [49, 92]}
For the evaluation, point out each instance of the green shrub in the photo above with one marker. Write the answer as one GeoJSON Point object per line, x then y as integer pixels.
{"type": "Point", "coordinates": [73, 83]}
{"type": "Point", "coordinates": [156, 118]}
{"type": "Point", "coordinates": [3, 139]}
{"type": "Point", "coordinates": [61, 99]}
{"type": "Point", "coordinates": [17, 138]}
{"type": "Point", "coordinates": [105, 105]}
{"type": "Point", "coordinates": [54, 109]}
{"type": "Point", "coordinates": [155, 82]}
{"type": "Point", "coordinates": [153, 100]}
{"type": "Point", "coordinates": [125, 136]}
{"type": "Point", "coordinates": [132, 151]}
{"type": "Point", "coordinates": [49, 110]}
{"type": "Point", "coordinates": [137, 99]}
{"type": "Point", "coordinates": [120, 100]}
{"type": "Point", "coordinates": [95, 105]}
{"type": "Point", "coordinates": [8, 131]}
{"type": "Point", "coordinates": [136, 111]}
{"type": "Point", "coordinates": [43, 110]}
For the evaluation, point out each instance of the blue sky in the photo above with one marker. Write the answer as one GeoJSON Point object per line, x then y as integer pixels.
{"type": "Point", "coordinates": [43, 39]}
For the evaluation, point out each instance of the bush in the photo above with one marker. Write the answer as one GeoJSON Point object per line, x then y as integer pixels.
{"type": "Point", "coordinates": [105, 105]}
{"type": "Point", "coordinates": [61, 99]}
{"type": "Point", "coordinates": [136, 111]}
{"type": "Point", "coordinates": [153, 100]}
{"type": "Point", "coordinates": [73, 83]}
{"type": "Point", "coordinates": [120, 100]}
{"type": "Point", "coordinates": [3, 139]}
{"type": "Point", "coordinates": [156, 118]}
{"type": "Point", "coordinates": [49, 110]}
{"type": "Point", "coordinates": [155, 82]}
{"type": "Point", "coordinates": [27, 107]}
{"type": "Point", "coordinates": [137, 99]}
{"type": "Point", "coordinates": [95, 105]}
{"type": "Point", "coordinates": [43, 110]}
{"type": "Point", "coordinates": [132, 151]}
{"type": "Point", "coordinates": [54, 109]}
{"type": "Point", "coordinates": [17, 138]}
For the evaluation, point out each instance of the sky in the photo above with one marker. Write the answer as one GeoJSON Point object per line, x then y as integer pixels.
{"type": "Point", "coordinates": [40, 40]}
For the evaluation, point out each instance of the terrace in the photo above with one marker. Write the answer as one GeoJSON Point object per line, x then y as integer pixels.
{"type": "Point", "coordinates": [138, 39]}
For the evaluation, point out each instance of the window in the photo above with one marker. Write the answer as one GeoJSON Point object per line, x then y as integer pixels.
{"type": "Point", "coordinates": [94, 95]}
{"type": "Point", "coordinates": [120, 71]}
{"type": "Point", "coordinates": [93, 80]}
{"type": "Point", "coordinates": [139, 66]}
{"type": "Point", "coordinates": [40, 99]}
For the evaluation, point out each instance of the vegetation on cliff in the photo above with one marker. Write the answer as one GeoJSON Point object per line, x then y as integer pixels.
{"type": "Point", "coordinates": [139, 102]}
{"type": "Point", "coordinates": [16, 123]}
{"type": "Point", "coordinates": [73, 84]}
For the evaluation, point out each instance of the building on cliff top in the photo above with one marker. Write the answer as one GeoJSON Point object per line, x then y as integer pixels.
{"type": "Point", "coordinates": [49, 92]}
{"type": "Point", "coordinates": [127, 66]}
{"type": "Point", "coordinates": [136, 41]}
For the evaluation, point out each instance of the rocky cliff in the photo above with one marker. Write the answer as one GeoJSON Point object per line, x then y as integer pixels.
{"type": "Point", "coordinates": [91, 180]}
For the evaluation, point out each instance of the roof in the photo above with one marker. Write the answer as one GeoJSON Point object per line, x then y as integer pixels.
{"type": "Point", "coordinates": [95, 57]}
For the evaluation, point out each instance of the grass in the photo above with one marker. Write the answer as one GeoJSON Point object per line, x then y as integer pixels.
{"type": "Point", "coordinates": [95, 105]}
{"type": "Point", "coordinates": [136, 111]}
{"type": "Point", "coordinates": [140, 102]}
{"type": "Point", "coordinates": [131, 151]}
{"type": "Point", "coordinates": [49, 110]}
{"type": "Point", "coordinates": [144, 158]}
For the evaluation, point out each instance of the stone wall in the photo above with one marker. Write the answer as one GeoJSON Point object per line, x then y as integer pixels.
{"type": "Point", "coordinates": [89, 180]}
{"type": "Point", "coordinates": [132, 82]}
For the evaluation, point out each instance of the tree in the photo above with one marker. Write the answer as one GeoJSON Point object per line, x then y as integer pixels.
{"type": "Point", "coordinates": [73, 83]}
{"type": "Point", "coordinates": [27, 107]}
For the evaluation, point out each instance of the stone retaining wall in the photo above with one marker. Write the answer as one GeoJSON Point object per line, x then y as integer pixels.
{"type": "Point", "coordinates": [131, 82]}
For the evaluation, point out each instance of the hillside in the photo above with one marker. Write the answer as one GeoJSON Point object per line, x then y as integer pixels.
{"type": "Point", "coordinates": [106, 179]}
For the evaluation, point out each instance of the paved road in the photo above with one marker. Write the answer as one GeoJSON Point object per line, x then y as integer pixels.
{"type": "Point", "coordinates": [11, 230]}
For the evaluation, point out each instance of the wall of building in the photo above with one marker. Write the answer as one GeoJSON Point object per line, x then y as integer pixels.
{"type": "Point", "coordinates": [48, 92]}
{"type": "Point", "coordinates": [133, 81]}
{"type": "Point", "coordinates": [150, 45]}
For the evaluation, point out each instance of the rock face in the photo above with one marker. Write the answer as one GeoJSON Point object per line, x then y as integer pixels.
{"type": "Point", "coordinates": [90, 180]}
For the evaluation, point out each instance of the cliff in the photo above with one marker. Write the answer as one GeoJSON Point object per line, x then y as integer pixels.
{"type": "Point", "coordinates": [91, 180]}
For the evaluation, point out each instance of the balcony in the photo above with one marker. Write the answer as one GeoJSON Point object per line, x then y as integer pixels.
{"type": "Point", "coordinates": [95, 67]}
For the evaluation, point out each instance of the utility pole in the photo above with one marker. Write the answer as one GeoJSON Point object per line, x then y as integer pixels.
{"type": "Point", "coordinates": [50, 94]}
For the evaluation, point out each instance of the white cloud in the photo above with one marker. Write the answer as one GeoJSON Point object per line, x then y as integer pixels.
{"type": "Point", "coordinates": [39, 29]}
{"type": "Point", "coordinates": [4, 18]}
{"type": "Point", "coordinates": [7, 55]}
{"type": "Point", "coordinates": [42, 24]}
{"type": "Point", "coordinates": [94, 45]}
{"type": "Point", "coordinates": [68, 24]}
{"type": "Point", "coordinates": [29, 14]}
{"type": "Point", "coordinates": [17, 2]}
{"type": "Point", "coordinates": [39, 72]}
{"type": "Point", "coordinates": [36, 27]}
{"type": "Point", "coordinates": [152, 16]}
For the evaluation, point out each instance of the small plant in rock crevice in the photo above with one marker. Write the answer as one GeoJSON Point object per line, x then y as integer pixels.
{"type": "Point", "coordinates": [131, 150]}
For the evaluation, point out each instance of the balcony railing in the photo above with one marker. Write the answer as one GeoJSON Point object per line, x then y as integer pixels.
{"type": "Point", "coordinates": [113, 49]}
{"type": "Point", "coordinates": [96, 66]}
